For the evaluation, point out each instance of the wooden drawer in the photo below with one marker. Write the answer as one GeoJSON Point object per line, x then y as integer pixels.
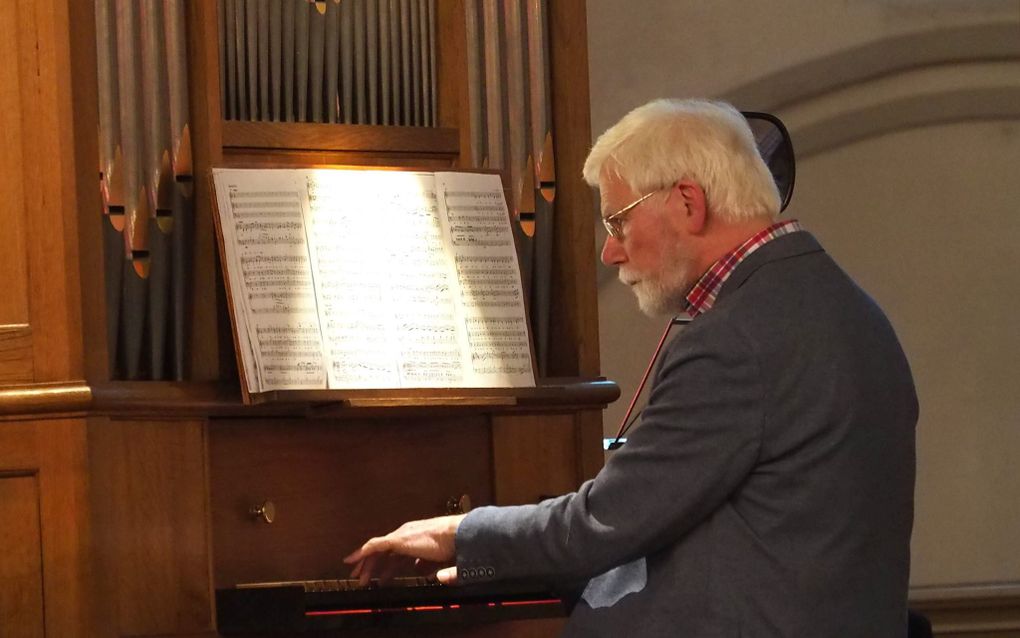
{"type": "Point", "coordinates": [333, 486]}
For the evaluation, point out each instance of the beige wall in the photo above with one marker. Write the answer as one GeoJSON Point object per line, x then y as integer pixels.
{"type": "Point", "coordinates": [906, 119]}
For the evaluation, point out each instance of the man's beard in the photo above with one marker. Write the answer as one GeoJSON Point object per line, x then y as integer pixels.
{"type": "Point", "coordinates": [665, 293]}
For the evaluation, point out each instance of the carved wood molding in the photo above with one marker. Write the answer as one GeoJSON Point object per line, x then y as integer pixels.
{"type": "Point", "coordinates": [45, 398]}
{"type": "Point", "coordinates": [970, 610]}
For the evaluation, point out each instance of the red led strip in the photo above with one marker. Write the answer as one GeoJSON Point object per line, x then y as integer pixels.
{"type": "Point", "coordinates": [350, 612]}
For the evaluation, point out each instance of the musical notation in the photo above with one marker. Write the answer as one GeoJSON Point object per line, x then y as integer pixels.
{"type": "Point", "coordinates": [263, 228]}
{"type": "Point", "coordinates": [374, 279]}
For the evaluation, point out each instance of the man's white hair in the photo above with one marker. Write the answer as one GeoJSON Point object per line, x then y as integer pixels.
{"type": "Point", "coordinates": [665, 141]}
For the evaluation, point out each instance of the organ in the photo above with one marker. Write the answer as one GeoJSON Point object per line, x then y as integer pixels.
{"type": "Point", "coordinates": [129, 466]}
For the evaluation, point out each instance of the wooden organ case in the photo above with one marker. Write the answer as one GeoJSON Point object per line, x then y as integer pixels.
{"type": "Point", "coordinates": [135, 500]}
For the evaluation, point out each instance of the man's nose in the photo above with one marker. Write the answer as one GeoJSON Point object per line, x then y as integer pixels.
{"type": "Point", "coordinates": [612, 252]}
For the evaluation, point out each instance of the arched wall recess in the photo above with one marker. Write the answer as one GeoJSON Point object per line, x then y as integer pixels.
{"type": "Point", "coordinates": [894, 84]}
{"type": "Point", "coordinates": [884, 57]}
{"type": "Point", "coordinates": [910, 98]}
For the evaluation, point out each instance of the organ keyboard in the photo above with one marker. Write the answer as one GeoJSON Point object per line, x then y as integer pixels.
{"type": "Point", "coordinates": [317, 605]}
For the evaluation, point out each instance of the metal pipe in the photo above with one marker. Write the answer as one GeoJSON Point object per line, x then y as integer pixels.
{"type": "Point", "coordinates": [433, 102]}
{"type": "Point", "coordinates": [229, 32]}
{"type": "Point", "coordinates": [180, 147]}
{"type": "Point", "coordinates": [545, 171]}
{"type": "Point", "coordinates": [415, 70]}
{"type": "Point", "coordinates": [360, 63]}
{"type": "Point", "coordinates": [289, 55]}
{"type": "Point", "coordinates": [221, 15]}
{"type": "Point", "coordinates": [316, 54]}
{"type": "Point", "coordinates": [240, 40]}
{"type": "Point", "coordinates": [385, 60]}
{"type": "Point", "coordinates": [158, 181]}
{"type": "Point", "coordinates": [347, 60]}
{"type": "Point", "coordinates": [252, 60]}
{"type": "Point", "coordinates": [395, 61]}
{"type": "Point", "coordinates": [301, 17]}
{"type": "Point", "coordinates": [372, 31]}
{"type": "Point", "coordinates": [474, 82]}
{"type": "Point", "coordinates": [516, 116]}
{"type": "Point", "coordinates": [109, 165]}
{"type": "Point", "coordinates": [332, 53]}
{"type": "Point", "coordinates": [263, 47]}
{"type": "Point", "coordinates": [275, 60]}
{"type": "Point", "coordinates": [493, 85]}
{"type": "Point", "coordinates": [405, 63]}
{"type": "Point", "coordinates": [135, 290]}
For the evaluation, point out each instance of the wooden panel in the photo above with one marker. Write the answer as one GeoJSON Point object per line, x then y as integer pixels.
{"type": "Point", "coordinates": [574, 348]}
{"type": "Point", "coordinates": [13, 254]}
{"type": "Point", "coordinates": [89, 281]}
{"type": "Point", "coordinates": [334, 485]}
{"type": "Point", "coordinates": [49, 185]}
{"type": "Point", "coordinates": [451, 68]}
{"type": "Point", "coordinates": [590, 454]}
{"type": "Point", "coordinates": [148, 487]}
{"type": "Point", "coordinates": [210, 327]}
{"type": "Point", "coordinates": [255, 158]}
{"type": "Point", "coordinates": [534, 457]}
{"type": "Point", "coordinates": [340, 137]}
{"type": "Point", "coordinates": [63, 500]}
{"type": "Point", "coordinates": [53, 452]}
{"type": "Point", "coordinates": [15, 353]}
{"type": "Point", "coordinates": [21, 601]}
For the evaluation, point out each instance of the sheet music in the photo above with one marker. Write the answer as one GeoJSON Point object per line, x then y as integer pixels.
{"type": "Point", "coordinates": [489, 278]}
{"type": "Point", "coordinates": [386, 291]}
{"type": "Point", "coordinates": [261, 217]}
{"type": "Point", "coordinates": [411, 279]}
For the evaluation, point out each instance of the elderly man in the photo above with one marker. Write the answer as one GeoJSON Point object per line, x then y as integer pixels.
{"type": "Point", "coordinates": [769, 489]}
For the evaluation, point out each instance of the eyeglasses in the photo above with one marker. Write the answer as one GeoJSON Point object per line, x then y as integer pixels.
{"type": "Point", "coordinates": [614, 222]}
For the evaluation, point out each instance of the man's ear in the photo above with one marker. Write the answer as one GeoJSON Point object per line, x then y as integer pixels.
{"type": "Point", "coordinates": [693, 197]}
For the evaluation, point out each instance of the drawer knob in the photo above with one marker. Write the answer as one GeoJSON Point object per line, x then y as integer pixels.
{"type": "Point", "coordinates": [265, 512]}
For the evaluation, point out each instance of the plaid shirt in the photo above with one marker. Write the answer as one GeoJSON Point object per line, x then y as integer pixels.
{"type": "Point", "coordinates": [702, 296]}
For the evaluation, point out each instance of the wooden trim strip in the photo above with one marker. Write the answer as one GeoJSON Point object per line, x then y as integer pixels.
{"type": "Point", "coordinates": [966, 595]}
{"type": "Point", "coordinates": [341, 137]}
{"type": "Point", "coordinates": [978, 610]}
{"type": "Point", "coordinates": [189, 400]}
{"type": "Point", "coordinates": [47, 398]}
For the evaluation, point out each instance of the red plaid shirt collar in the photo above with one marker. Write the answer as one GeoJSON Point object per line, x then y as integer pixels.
{"type": "Point", "coordinates": [702, 296]}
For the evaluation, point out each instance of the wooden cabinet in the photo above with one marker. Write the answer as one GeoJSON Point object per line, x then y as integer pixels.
{"type": "Point", "coordinates": [44, 573]}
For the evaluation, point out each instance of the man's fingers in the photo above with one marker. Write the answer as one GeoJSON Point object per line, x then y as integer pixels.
{"type": "Point", "coordinates": [368, 565]}
{"type": "Point", "coordinates": [372, 546]}
{"type": "Point", "coordinates": [447, 575]}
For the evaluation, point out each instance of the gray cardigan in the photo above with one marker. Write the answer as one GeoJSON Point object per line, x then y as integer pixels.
{"type": "Point", "coordinates": [768, 490]}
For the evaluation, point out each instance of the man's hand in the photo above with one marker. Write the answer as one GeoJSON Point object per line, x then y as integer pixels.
{"type": "Point", "coordinates": [429, 540]}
